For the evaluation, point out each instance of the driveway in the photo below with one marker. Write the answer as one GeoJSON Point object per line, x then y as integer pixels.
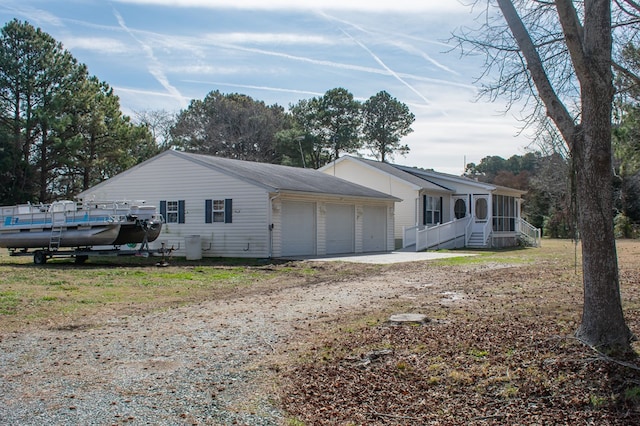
{"type": "Point", "coordinates": [388, 257]}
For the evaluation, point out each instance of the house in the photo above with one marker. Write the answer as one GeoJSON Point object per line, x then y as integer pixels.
{"type": "Point", "coordinates": [233, 208]}
{"type": "Point", "coordinates": [441, 210]}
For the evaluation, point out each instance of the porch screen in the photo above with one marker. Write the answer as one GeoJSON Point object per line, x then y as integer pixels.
{"type": "Point", "coordinates": [504, 213]}
{"type": "Point", "coordinates": [460, 208]}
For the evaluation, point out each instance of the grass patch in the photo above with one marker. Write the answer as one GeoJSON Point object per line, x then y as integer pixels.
{"type": "Point", "coordinates": [61, 291]}
{"type": "Point", "coordinates": [9, 302]}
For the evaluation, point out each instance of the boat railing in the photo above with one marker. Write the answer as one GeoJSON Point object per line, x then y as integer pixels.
{"type": "Point", "coordinates": [63, 213]}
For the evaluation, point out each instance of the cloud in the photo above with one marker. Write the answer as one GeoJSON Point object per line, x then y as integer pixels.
{"type": "Point", "coordinates": [432, 6]}
{"type": "Point", "coordinates": [393, 39]}
{"type": "Point", "coordinates": [252, 87]}
{"type": "Point", "coordinates": [268, 38]}
{"type": "Point", "coordinates": [389, 70]}
{"type": "Point", "coordinates": [103, 45]}
{"type": "Point", "coordinates": [154, 66]}
{"type": "Point", "coordinates": [36, 16]}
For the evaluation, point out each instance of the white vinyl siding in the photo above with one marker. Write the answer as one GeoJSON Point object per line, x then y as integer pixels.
{"type": "Point", "coordinates": [157, 179]}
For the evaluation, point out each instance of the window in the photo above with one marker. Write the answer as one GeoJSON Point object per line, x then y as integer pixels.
{"type": "Point", "coordinates": [481, 208]}
{"type": "Point", "coordinates": [172, 211]}
{"type": "Point", "coordinates": [218, 211]}
{"type": "Point", "coordinates": [460, 208]}
{"type": "Point", "coordinates": [432, 210]}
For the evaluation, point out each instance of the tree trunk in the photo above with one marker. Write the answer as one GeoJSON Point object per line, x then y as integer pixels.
{"type": "Point", "coordinates": [603, 324]}
{"type": "Point", "coordinates": [589, 45]}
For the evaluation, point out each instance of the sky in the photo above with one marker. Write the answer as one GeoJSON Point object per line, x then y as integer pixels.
{"type": "Point", "coordinates": [161, 54]}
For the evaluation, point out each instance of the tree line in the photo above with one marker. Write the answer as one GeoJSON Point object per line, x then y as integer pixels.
{"type": "Point", "coordinates": [312, 133]}
{"type": "Point", "coordinates": [62, 130]}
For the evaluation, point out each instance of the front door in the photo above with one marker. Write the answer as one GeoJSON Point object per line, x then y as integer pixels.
{"type": "Point", "coordinates": [480, 211]}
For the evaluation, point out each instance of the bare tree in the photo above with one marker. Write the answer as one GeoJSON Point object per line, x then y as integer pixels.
{"type": "Point", "coordinates": [562, 53]}
{"type": "Point", "coordinates": [159, 123]}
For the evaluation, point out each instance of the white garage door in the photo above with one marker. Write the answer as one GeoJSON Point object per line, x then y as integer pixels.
{"type": "Point", "coordinates": [340, 225]}
{"type": "Point", "coordinates": [298, 228]}
{"type": "Point", "coordinates": [374, 228]}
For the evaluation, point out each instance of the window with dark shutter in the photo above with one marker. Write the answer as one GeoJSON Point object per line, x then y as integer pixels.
{"type": "Point", "coordinates": [173, 211]}
{"type": "Point", "coordinates": [218, 211]}
{"type": "Point", "coordinates": [432, 210]}
{"type": "Point", "coordinates": [208, 211]}
{"type": "Point", "coordinates": [181, 211]}
{"type": "Point", "coordinates": [163, 209]}
{"type": "Point", "coordinates": [228, 210]}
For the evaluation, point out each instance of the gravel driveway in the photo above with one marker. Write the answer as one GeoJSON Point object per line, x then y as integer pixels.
{"type": "Point", "coordinates": [200, 364]}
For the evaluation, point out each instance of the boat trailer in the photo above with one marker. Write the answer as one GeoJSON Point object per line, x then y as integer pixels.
{"type": "Point", "coordinates": [81, 254]}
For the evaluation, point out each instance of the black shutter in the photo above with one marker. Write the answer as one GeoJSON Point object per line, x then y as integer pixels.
{"type": "Point", "coordinates": [228, 210]}
{"type": "Point", "coordinates": [180, 211]}
{"type": "Point", "coordinates": [163, 209]}
{"type": "Point", "coordinates": [424, 209]}
{"type": "Point", "coordinates": [208, 211]}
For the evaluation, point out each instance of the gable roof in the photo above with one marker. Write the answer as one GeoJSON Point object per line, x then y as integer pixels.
{"type": "Point", "coordinates": [273, 177]}
{"type": "Point", "coordinates": [430, 174]}
{"type": "Point", "coordinates": [393, 170]}
{"type": "Point", "coordinates": [426, 178]}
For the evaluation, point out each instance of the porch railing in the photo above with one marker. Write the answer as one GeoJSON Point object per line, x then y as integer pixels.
{"type": "Point", "coordinates": [529, 233]}
{"type": "Point", "coordinates": [445, 235]}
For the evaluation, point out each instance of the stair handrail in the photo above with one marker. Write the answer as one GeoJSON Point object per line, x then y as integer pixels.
{"type": "Point", "coordinates": [530, 232]}
{"type": "Point", "coordinates": [467, 230]}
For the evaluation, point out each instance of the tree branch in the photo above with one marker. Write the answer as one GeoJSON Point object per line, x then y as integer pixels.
{"type": "Point", "coordinates": [556, 110]}
{"type": "Point", "coordinates": [573, 36]}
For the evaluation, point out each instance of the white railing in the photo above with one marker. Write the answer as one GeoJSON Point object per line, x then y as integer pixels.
{"type": "Point", "coordinates": [530, 233]}
{"type": "Point", "coordinates": [468, 231]}
{"type": "Point", "coordinates": [409, 235]}
{"type": "Point", "coordinates": [457, 233]}
{"type": "Point", "coordinates": [487, 229]}
{"type": "Point", "coordinates": [445, 235]}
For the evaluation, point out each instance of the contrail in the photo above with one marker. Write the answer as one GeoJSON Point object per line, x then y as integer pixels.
{"type": "Point", "coordinates": [404, 46]}
{"type": "Point", "coordinates": [248, 86]}
{"type": "Point", "coordinates": [155, 67]}
{"type": "Point", "coordinates": [389, 70]}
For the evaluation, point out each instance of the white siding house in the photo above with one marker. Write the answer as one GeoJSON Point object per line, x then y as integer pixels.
{"type": "Point", "coordinates": [235, 208]}
{"type": "Point", "coordinates": [440, 210]}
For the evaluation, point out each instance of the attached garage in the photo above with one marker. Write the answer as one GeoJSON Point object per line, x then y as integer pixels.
{"type": "Point", "coordinates": [248, 209]}
{"type": "Point", "coordinates": [374, 228]}
{"type": "Point", "coordinates": [340, 228]}
{"type": "Point", "coordinates": [298, 228]}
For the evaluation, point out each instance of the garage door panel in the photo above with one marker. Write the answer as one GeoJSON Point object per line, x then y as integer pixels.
{"type": "Point", "coordinates": [298, 228]}
{"type": "Point", "coordinates": [340, 228]}
{"type": "Point", "coordinates": [374, 228]}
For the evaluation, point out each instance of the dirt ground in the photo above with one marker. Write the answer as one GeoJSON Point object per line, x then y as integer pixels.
{"type": "Point", "coordinates": [497, 349]}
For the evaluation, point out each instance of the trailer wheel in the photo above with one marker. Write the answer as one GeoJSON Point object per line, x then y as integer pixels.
{"type": "Point", "coordinates": [39, 258]}
{"type": "Point", "coordinates": [81, 258]}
